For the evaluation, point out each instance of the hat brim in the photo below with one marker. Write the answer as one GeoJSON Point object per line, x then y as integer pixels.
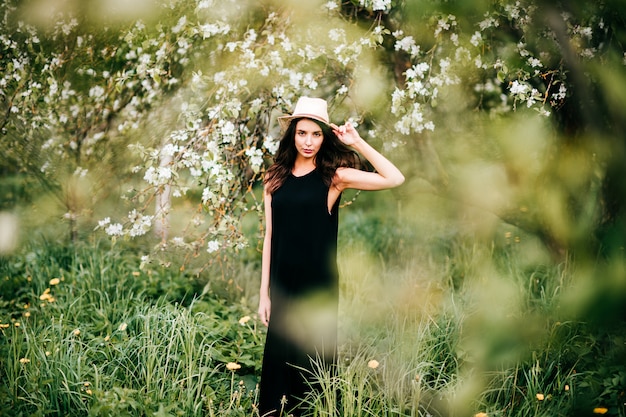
{"type": "Point", "coordinates": [284, 121]}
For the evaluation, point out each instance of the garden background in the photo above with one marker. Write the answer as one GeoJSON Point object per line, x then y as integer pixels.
{"type": "Point", "coordinates": [134, 136]}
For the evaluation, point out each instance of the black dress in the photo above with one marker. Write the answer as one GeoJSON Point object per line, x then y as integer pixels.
{"type": "Point", "coordinates": [302, 333]}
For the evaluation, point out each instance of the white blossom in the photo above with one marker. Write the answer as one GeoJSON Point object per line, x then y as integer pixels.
{"type": "Point", "coordinates": [561, 94]}
{"type": "Point", "coordinates": [256, 158]}
{"type": "Point", "coordinates": [213, 246]}
{"type": "Point", "coordinates": [331, 5]}
{"type": "Point", "coordinates": [488, 22]}
{"type": "Point", "coordinates": [204, 4]}
{"type": "Point", "coordinates": [271, 144]}
{"type": "Point", "coordinates": [104, 222]}
{"type": "Point", "coordinates": [207, 195]}
{"type": "Point", "coordinates": [114, 229]}
{"type": "Point", "coordinates": [169, 150]}
{"type": "Point", "coordinates": [407, 44]}
{"type": "Point", "coordinates": [397, 98]}
{"type": "Point", "coordinates": [518, 88]}
{"type": "Point", "coordinates": [140, 224]}
{"type": "Point", "coordinates": [180, 25]}
{"type": "Point", "coordinates": [81, 172]}
{"type": "Point", "coordinates": [476, 39]}
{"type": "Point", "coordinates": [336, 34]}
{"type": "Point", "coordinates": [376, 5]}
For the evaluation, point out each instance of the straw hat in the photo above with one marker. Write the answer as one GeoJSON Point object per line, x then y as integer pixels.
{"type": "Point", "coordinates": [311, 108]}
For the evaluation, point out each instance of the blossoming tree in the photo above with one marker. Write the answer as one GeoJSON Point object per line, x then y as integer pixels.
{"type": "Point", "coordinates": [193, 90]}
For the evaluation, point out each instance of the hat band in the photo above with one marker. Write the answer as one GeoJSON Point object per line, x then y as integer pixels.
{"type": "Point", "coordinates": [309, 116]}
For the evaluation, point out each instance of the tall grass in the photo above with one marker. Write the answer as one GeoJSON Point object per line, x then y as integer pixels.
{"type": "Point", "coordinates": [432, 324]}
{"type": "Point", "coordinates": [87, 336]}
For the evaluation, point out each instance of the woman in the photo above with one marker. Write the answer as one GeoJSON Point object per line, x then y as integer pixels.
{"type": "Point", "coordinates": [316, 161]}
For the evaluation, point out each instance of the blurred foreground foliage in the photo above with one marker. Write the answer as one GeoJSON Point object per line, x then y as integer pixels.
{"type": "Point", "coordinates": [493, 281]}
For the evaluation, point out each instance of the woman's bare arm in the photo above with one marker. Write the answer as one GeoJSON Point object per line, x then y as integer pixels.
{"type": "Point", "coordinates": [265, 303]}
{"type": "Point", "coordinates": [387, 175]}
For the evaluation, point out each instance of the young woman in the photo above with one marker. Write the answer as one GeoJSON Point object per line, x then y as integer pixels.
{"type": "Point", "coordinates": [316, 161]}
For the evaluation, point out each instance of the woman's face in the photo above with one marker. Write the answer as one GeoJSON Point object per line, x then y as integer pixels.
{"type": "Point", "coordinates": [308, 139]}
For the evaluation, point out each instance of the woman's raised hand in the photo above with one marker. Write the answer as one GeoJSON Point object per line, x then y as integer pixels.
{"type": "Point", "coordinates": [346, 133]}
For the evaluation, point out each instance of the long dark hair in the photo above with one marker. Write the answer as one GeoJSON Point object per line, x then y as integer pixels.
{"type": "Point", "coordinates": [332, 155]}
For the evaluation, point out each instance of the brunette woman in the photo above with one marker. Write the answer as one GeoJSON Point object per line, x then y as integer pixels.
{"type": "Point", "coordinates": [315, 162]}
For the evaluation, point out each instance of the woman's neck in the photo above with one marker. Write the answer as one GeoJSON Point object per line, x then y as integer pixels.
{"type": "Point", "coordinates": [302, 167]}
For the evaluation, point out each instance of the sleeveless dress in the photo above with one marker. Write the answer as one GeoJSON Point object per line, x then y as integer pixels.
{"type": "Point", "coordinates": [302, 333]}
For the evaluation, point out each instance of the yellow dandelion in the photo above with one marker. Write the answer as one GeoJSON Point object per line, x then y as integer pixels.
{"type": "Point", "coordinates": [232, 366]}
{"type": "Point", "coordinates": [26, 306]}
{"type": "Point", "coordinates": [481, 415]}
{"type": "Point", "coordinates": [600, 410]}
{"type": "Point", "coordinates": [107, 338]}
{"type": "Point", "coordinates": [136, 274]}
{"type": "Point", "coordinates": [122, 327]}
{"type": "Point", "coordinates": [4, 325]}
{"type": "Point", "coordinates": [540, 397]}
{"type": "Point", "coordinates": [24, 360]}
{"type": "Point", "coordinates": [89, 392]}
{"type": "Point", "coordinates": [17, 324]}
{"type": "Point", "coordinates": [76, 332]}
{"type": "Point", "coordinates": [86, 383]}
{"type": "Point", "coordinates": [566, 387]}
{"type": "Point", "coordinates": [373, 364]}
{"type": "Point", "coordinates": [55, 281]}
{"type": "Point", "coordinates": [244, 320]}
{"type": "Point", "coordinates": [48, 353]}
{"type": "Point", "coordinates": [45, 295]}
{"type": "Point", "coordinates": [27, 314]}
{"type": "Point", "coordinates": [508, 236]}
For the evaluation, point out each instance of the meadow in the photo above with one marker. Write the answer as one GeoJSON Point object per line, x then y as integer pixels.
{"type": "Point", "coordinates": [436, 320]}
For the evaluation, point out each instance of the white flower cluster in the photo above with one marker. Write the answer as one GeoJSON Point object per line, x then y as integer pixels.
{"type": "Point", "coordinates": [136, 225]}
{"type": "Point", "coordinates": [256, 158]}
{"type": "Point", "coordinates": [376, 5]}
{"type": "Point", "coordinates": [412, 103]}
{"type": "Point", "coordinates": [76, 114]}
{"type": "Point", "coordinates": [522, 91]}
{"type": "Point", "coordinates": [407, 44]}
{"type": "Point", "coordinates": [445, 24]}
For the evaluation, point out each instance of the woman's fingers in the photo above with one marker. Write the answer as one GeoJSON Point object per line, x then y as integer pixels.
{"type": "Point", "coordinates": [264, 314]}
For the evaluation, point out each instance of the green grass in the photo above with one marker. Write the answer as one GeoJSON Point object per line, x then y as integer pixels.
{"type": "Point", "coordinates": [108, 338]}
{"type": "Point", "coordinates": [431, 325]}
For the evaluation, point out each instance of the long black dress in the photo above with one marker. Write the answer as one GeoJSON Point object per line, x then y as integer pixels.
{"type": "Point", "coordinates": [303, 290]}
